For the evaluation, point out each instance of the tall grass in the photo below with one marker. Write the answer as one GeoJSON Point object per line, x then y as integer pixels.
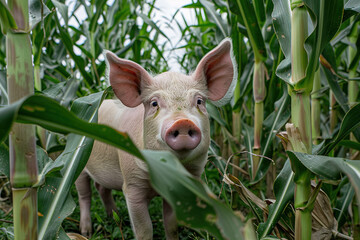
{"type": "Point", "coordinates": [277, 46]}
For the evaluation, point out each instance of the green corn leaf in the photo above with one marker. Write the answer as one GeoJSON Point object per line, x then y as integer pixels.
{"type": "Point", "coordinates": [330, 167]}
{"type": "Point", "coordinates": [349, 124]}
{"type": "Point", "coordinates": [54, 186]}
{"type": "Point", "coordinates": [79, 62]}
{"type": "Point", "coordinates": [4, 160]}
{"type": "Point", "coordinates": [351, 8]}
{"type": "Point", "coordinates": [246, 10]}
{"type": "Point", "coordinates": [7, 20]}
{"type": "Point", "coordinates": [352, 5]}
{"type": "Point", "coordinates": [272, 123]}
{"type": "Point", "coordinates": [189, 191]}
{"type": "Point", "coordinates": [45, 112]}
{"type": "Point", "coordinates": [215, 114]}
{"type": "Point", "coordinates": [257, 205]}
{"type": "Point", "coordinates": [84, 51]}
{"type": "Point", "coordinates": [342, 206]}
{"type": "Point", "coordinates": [45, 199]}
{"type": "Point", "coordinates": [340, 96]}
{"type": "Point", "coordinates": [326, 16]}
{"type": "Point", "coordinates": [46, 166]}
{"type": "Point", "coordinates": [54, 195]}
{"type": "Point", "coordinates": [249, 233]}
{"type": "Point", "coordinates": [259, 8]}
{"type": "Point", "coordinates": [3, 88]}
{"type": "Point", "coordinates": [153, 44]}
{"type": "Point", "coordinates": [248, 133]}
{"type": "Point", "coordinates": [9, 232]}
{"type": "Point", "coordinates": [284, 191]}
{"type": "Point", "coordinates": [63, 92]}
{"type": "Point", "coordinates": [344, 31]}
{"type": "Point", "coordinates": [37, 12]}
{"type": "Point", "coordinates": [99, 9]}
{"type": "Point", "coordinates": [215, 17]}
{"type": "Point", "coordinates": [281, 16]}
{"type": "Point", "coordinates": [148, 21]}
{"type": "Point", "coordinates": [355, 62]}
{"type": "Point", "coordinates": [350, 144]}
{"type": "Point", "coordinates": [195, 206]}
{"type": "Point", "coordinates": [246, 78]}
{"type": "Point", "coordinates": [63, 10]}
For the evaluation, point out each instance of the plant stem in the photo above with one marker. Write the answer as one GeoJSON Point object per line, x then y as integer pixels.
{"type": "Point", "coordinates": [301, 118]}
{"type": "Point", "coordinates": [316, 108]}
{"type": "Point", "coordinates": [237, 135]}
{"type": "Point", "coordinates": [353, 91]}
{"type": "Point", "coordinates": [259, 91]}
{"type": "Point", "coordinates": [356, 219]}
{"type": "Point", "coordinates": [258, 121]}
{"type": "Point", "coordinates": [37, 78]}
{"type": "Point", "coordinates": [353, 87]}
{"type": "Point", "coordinates": [23, 164]}
{"type": "Point", "coordinates": [333, 113]}
{"type": "Point", "coordinates": [299, 32]}
{"type": "Point", "coordinates": [25, 216]}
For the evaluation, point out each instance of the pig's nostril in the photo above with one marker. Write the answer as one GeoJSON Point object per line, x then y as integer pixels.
{"type": "Point", "coordinates": [182, 135]}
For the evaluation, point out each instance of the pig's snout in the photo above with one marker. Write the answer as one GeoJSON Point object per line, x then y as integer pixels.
{"type": "Point", "coordinates": [183, 134]}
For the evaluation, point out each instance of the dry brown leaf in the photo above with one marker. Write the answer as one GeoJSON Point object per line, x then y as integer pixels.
{"type": "Point", "coordinates": [323, 221]}
{"type": "Point", "coordinates": [76, 236]}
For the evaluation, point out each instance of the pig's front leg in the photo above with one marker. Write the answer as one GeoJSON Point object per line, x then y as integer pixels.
{"type": "Point", "coordinates": [170, 223]}
{"type": "Point", "coordinates": [84, 192]}
{"type": "Point", "coordinates": [138, 203]}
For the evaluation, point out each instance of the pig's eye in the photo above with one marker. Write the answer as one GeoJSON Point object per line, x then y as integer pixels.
{"type": "Point", "coordinates": [199, 101]}
{"type": "Point", "coordinates": [154, 103]}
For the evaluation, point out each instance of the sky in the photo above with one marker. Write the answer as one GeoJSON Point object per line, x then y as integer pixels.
{"type": "Point", "coordinates": [165, 11]}
{"type": "Point", "coordinates": [167, 8]}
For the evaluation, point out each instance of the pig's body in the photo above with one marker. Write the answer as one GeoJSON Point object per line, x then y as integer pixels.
{"type": "Point", "coordinates": [114, 114]}
{"type": "Point", "coordinates": [166, 112]}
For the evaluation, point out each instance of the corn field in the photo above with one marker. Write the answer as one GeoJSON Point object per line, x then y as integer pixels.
{"type": "Point", "coordinates": [284, 157]}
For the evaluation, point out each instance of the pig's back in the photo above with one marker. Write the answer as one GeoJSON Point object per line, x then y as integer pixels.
{"type": "Point", "coordinates": [130, 120]}
{"type": "Point", "coordinates": [104, 162]}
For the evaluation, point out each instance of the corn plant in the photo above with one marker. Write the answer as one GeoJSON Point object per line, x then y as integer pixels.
{"type": "Point", "coordinates": [298, 72]}
{"type": "Point", "coordinates": [23, 162]}
{"type": "Point", "coordinates": [296, 62]}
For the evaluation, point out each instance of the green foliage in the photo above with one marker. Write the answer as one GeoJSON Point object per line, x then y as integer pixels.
{"type": "Point", "coordinates": [70, 74]}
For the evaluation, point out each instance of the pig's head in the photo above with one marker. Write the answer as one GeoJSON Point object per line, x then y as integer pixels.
{"type": "Point", "coordinates": [175, 115]}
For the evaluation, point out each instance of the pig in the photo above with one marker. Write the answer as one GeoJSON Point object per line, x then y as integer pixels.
{"type": "Point", "coordinates": [165, 112]}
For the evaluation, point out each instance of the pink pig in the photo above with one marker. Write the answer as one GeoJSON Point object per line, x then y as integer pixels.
{"type": "Point", "coordinates": [165, 112]}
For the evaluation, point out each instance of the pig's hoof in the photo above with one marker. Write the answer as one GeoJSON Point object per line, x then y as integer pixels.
{"type": "Point", "coordinates": [85, 229]}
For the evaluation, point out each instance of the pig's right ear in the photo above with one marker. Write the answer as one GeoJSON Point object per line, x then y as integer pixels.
{"type": "Point", "coordinates": [218, 71]}
{"type": "Point", "coordinates": [126, 78]}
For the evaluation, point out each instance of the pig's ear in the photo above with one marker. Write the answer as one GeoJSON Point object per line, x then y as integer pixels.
{"type": "Point", "coordinates": [218, 70]}
{"type": "Point", "coordinates": [126, 79]}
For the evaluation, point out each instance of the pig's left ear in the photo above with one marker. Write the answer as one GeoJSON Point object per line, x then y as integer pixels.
{"type": "Point", "coordinates": [126, 78]}
{"type": "Point", "coordinates": [219, 71]}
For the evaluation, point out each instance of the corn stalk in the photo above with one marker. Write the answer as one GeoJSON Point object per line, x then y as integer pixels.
{"type": "Point", "coordinates": [333, 112]}
{"type": "Point", "coordinates": [247, 11]}
{"type": "Point", "coordinates": [20, 81]}
{"type": "Point", "coordinates": [353, 91]}
{"type": "Point", "coordinates": [353, 87]}
{"type": "Point", "coordinates": [301, 117]}
{"type": "Point", "coordinates": [316, 109]}
{"type": "Point", "coordinates": [259, 93]}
